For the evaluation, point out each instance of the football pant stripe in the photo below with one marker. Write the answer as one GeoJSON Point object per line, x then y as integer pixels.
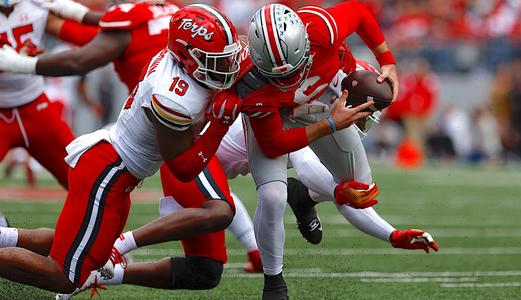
{"type": "Point", "coordinates": [92, 220]}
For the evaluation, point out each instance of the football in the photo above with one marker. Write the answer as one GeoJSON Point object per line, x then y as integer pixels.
{"type": "Point", "coordinates": [363, 86]}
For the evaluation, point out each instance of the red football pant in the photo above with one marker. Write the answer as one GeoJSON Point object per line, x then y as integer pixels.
{"type": "Point", "coordinates": [94, 214]}
{"type": "Point", "coordinates": [39, 128]}
{"type": "Point", "coordinates": [210, 184]}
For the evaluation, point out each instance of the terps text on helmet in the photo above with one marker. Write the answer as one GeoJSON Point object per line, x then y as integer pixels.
{"type": "Point", "coordinates": [198, 30]}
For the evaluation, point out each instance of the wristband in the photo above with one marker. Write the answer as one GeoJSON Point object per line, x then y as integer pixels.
{"type": "Point", "coordinates": [385, 58]}
{"type": "Point", "coordinates": [333, 127]}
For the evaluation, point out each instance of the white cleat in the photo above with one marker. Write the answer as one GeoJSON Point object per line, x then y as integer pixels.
{"type": "Point", "coordinates": [93, 282]}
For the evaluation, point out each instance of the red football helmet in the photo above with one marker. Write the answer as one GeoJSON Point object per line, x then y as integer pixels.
{"type": "Point", "coordinates": [206, 45]}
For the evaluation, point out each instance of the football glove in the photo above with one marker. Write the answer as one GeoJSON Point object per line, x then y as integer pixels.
{"type": "Point", "coordinates": [356, 194]}
{"type": "Point", "coordinates": [12, 61]}
{"type": "Point", "coordinates": [225, 108]}
{"type": "Point", "coordinates": [413, 239]}
{"type": "Point", "coordinates": [66, 9]}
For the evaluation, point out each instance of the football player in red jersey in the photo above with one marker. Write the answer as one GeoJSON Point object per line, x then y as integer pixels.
{"type": "Point", "coordinates": [130, 35]}
{"type": "Point", "coordinates": [297, 63]}
{"type": "Point", "coordinates": [158, 124]}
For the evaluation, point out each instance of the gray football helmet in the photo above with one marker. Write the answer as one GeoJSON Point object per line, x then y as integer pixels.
{"type": "Point", "coordinates": [279, 46]}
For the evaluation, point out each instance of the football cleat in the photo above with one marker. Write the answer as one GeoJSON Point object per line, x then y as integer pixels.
{"type": "Point", "coordinates": [274, 288]}
{"type": "Point", "coordinates": [413, 239]}
{"type": "Point", "coordinates": [3, 221]}
{"type": "Point", "coordinates": [91, 283]}
{"type": "Point", "coordinates": [303, 207]}
{"type": "Point", "coordinates": [254, 264]}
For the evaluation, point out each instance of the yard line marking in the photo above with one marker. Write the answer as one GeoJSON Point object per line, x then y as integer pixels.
{"type": "Point", "coordinates": [350, 252]}
{"type": "Point", "coordinates": [481, 285]}
{"type": "Point", "coordinates": [419, 280]}
{"type": "Point", "coordinates": [436, 232]}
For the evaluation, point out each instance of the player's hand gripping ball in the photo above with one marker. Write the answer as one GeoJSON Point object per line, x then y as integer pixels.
{"type": "Point", "coordinates": [363, 87]}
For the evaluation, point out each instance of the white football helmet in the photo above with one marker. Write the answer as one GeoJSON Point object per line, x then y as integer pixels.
{"type": "Point", "coordinates": [279, 46]}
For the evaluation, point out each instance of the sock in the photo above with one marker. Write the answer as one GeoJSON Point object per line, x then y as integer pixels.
{"type": "Point", "coordinates": [119, 274]}
{"type": "Point", "coordinates": [125, 243]}
{"type": "Point", "coordinates": [269, 225]}
{"type": "Point", "coordinates": [313, 174]}
{"type": "Point", "coordinates": [368, 221]}
{"type": "Point", "coordinates": [8, 237]}
{"type": "Point", "coordinates": [242, 226]}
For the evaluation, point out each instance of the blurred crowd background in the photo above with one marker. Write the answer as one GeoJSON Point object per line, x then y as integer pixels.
{"type": "Point", "coordinates": [460, 71]}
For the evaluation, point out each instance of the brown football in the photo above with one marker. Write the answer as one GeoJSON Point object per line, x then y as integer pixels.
{"type": "Point", "coordinates": [363, 86]}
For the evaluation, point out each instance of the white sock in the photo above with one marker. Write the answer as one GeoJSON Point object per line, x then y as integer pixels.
{"type": "Point", "coordinates": [8, 237]}
{"type": "Point", "coordinates": [242, 226]}
{"type": "Point", "coordinates": [125, 243]}
{"type": "Point", "coordinates": [119, 273]}
{"type": "Point", "coordinates": [313, 174]}
{"type": "Point", "coordinates": [368, 221]}
{"type": "Point", "coordinates": [269, 225]}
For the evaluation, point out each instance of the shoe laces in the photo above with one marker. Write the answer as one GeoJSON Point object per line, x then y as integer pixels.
{"type": "Point", "coordinates": [117, 258]}
{"type": "Point", "coordinates": [95, 287]}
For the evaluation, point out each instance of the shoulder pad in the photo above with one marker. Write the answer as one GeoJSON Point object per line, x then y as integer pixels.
{"type": "Point", "coordinates": [322, 27]}
{"type": "Point", "coordinates": [251, 82]}
{"type": "Point", "coordinates": [126, 16]}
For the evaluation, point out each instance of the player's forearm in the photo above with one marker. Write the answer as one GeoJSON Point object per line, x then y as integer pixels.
{"type": "Point", "coordinates": [63, 64]}
{"type": "Point", "coordinates": [92, 18]}
{"type": "Point", "coordinates": [318, 130]}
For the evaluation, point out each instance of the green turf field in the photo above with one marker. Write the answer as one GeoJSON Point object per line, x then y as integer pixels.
{"type": "Point", "coordinates": [474, 214]}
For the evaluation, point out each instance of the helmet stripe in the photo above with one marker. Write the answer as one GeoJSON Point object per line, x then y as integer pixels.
{"type": "Point", "coordinates": [270, 30]}
{"type": "Point", "coordinates": [227, 28]}
{"type": "Point", "coordinates": [326, 17]}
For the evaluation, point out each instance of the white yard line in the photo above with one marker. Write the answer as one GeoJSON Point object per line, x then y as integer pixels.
{"type": "Point", "coordinates": [436, 232]}
{"type": "Point", "coordinates": [350, 252]}
{"type": "Point", "coordinates": [481, 285]}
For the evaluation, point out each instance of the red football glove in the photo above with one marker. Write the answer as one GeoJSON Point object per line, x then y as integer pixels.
{"type": "Point", "coordinates": [413, 239]}
{"type": "Point", "coordinates": [225, 108]}
{"type": "Point", "coordinates": [356, 194]}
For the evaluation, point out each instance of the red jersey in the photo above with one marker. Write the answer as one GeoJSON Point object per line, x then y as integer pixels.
{"type": "Point", "coordinates": [327, 29]}
{"type": "Point", "coordinates": [148, 25]}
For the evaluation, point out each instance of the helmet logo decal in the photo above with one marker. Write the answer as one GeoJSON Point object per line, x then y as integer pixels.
{"type": "Point", "coordinates": [198, 30]}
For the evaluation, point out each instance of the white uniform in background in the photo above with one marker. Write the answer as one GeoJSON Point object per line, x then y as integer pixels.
{"type": "Point", "coordinates": [27, 21]}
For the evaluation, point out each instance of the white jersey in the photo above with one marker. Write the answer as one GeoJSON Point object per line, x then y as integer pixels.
{"type": "Point", "coordinates": [175, 99]}
{"type": "Point", "coordinates": [232, 152]}
{"type": "Point", "coordinates": [27, 21]}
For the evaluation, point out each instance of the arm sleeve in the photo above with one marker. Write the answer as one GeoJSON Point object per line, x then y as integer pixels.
{"type": "Point", "coordinates": [353, 16]}
{"type": "Point", "coordinates": [273, 140]}
{"type": "Point", "coordinates": [76, 33]}
{"type": "Point", "coordinates": [190, 163]}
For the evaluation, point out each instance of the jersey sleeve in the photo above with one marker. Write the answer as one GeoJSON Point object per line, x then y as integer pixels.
{"type": "Point", "coordinates": [170, 113]}
{"type": "Point", "coordinates": [125, 16]}
{"type": "Point", "coordinates": [333, 25]}
{"type": "Point", "coordinates": [76, 33]}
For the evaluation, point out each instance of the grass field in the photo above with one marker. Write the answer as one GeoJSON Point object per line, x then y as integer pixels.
{"type": "Point", "coordinates": [474, 214]}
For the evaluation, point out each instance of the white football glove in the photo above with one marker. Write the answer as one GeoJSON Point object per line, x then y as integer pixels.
{"type": "Point", "coordinates": [67, 9]}
{"type": "Point", "coordinates": [12, 61]}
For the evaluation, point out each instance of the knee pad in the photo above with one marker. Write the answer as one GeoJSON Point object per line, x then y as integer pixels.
{"type": "Point", "coordinates": [195, 273]}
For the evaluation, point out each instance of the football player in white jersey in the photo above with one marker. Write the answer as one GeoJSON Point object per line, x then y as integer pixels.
{"type": "Point", "coordinates": [159, 123]}
{"type": "Point", "coordinates": [24, 107]}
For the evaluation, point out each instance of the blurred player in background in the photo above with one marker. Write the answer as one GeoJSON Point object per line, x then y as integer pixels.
{"type": "Point", "coordinates": [158, 124]}
{"type": "Point", "coordinates": [24, 106]}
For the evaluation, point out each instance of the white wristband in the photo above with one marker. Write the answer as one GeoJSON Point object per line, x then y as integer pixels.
{"type": "Point", "coordinates": [75, 11]}
{"type": "Point", "coordinates": [23, 64]}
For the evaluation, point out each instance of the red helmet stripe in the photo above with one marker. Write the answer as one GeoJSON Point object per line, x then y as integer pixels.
{"type": "Point", "coordinates": [270, 31]}
{"type": "Point", "coordinates": [326, 17]}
